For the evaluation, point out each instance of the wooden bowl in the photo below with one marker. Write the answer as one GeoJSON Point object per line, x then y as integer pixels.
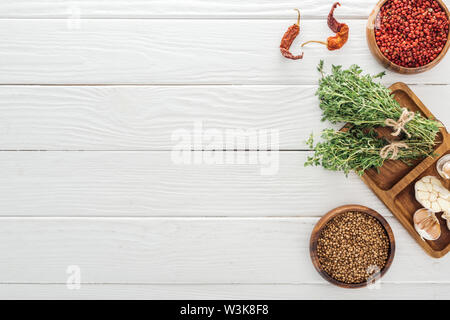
{"type": "Point", "coordinates": [334, 213]}
{"type": "Point", "coordinates": [370, 34]}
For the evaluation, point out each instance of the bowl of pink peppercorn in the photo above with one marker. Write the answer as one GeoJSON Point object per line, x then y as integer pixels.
{"type": "Point", "coordinates": [409, 36]}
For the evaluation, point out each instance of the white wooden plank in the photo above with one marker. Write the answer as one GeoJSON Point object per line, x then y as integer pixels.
{"type": "Point", "coordinates": [410, 291]}
{"type": "Point", "coordinates": [177, 9]}
{"type": "Point", "coordinates": [163, 52]}
{"type": "Point", "coordinates": [151, 184]}
{"type": "Point", "coordinates": [146, 117]}
{"type": "Point", "coordinates": [183, 251]}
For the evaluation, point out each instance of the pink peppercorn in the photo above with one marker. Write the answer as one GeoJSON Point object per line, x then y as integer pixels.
{"type": "Point", "coordinates": [411, 33]}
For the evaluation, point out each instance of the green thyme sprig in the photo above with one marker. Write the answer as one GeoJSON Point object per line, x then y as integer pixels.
{"type": "Point", "coordinates": [348, 96]}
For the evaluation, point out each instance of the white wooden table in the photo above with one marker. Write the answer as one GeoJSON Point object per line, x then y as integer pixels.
{"type": "Point", "coordinates": [91, 95]}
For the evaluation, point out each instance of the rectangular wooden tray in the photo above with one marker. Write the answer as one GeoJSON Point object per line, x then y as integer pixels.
{"type": "Point", "coordinates": [394, 183]}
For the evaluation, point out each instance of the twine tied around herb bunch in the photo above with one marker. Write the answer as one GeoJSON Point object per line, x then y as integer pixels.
{"type": "Point", "coordinates": [393, 148]}
{"type": "Point", "coordinates": [399, 125]}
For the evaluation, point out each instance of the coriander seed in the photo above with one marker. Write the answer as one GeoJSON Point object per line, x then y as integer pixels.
{"type": "Point", "coordinates": [352, 246]}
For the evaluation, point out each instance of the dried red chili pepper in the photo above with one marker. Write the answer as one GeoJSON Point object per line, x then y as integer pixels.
{"type": "Point", "coordinates": [331, 20]}
{"type": "Point", "coordinates": [341, 30]}
{"type": "Point", "coordinates": [289, 37]}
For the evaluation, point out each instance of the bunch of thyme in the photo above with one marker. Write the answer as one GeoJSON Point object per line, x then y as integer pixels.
{"type": "Point", "coordinates": [347, 96]}
{"type": "Point", "coordinates": [357, 150]}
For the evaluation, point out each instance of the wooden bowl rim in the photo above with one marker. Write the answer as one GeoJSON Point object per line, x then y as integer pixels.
{"type": "Point", "coordinates": [386, 61]}
{"type": "Point", "coordinates": [334, 213]}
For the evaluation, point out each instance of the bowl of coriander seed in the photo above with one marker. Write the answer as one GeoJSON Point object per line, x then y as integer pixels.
{"type": "Point", "coordinates": [352, 246]}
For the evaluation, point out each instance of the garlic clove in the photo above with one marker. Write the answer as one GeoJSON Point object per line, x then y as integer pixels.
{"type": "Point", "coordinates": [445, 194]}
{"type": "Point", "coordinates": [446, 170]}
{"type": "Point", "coordinates": [427, 224]}
{"type": "Point", "coordinates": [435, 207]}
{"type": "Point", "coordinates": [426, 204]}
{"type": "Point", "coordinates": [442, 191]}
{"type": "Point", "coordinates": [433, 196]}
{"type": "Point", "coordinates": [446, 216]}
{"type": "Point", "coordinates": [423, 195]}
{"type": "Point", "coordinates": [444, 204]}
{"type": "Point", "coordinates": [434, 180]}
{"type": "Point", "coordinates": [443, 166]}
{"type": "Point", "coordinates": [420, 186]}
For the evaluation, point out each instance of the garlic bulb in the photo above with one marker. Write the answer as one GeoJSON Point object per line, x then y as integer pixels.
{"type": "Point", "coordinates": [432, 195]}
{"type": "Point", "coordinates": [427, 224]}
{"type": "Point", "coordinates": [443, 166]}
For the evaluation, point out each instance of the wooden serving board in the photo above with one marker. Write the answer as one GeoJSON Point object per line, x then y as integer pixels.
{"type": "Point", "coordinates": [394, 183]}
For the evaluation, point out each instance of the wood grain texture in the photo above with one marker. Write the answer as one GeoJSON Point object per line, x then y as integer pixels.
{"type": "Point", "coordinates": [150, 184]}
{"type": "Point", "coordinates": [216, 291]}
{"type": "Point", "coordinates": [182, 251]}
{"type": "Point", "coordinates": [177, 9]}
{"type": "Point", "coordinates": [163, 52]}
{"type": "Point", "coordinates": [146, 117]}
